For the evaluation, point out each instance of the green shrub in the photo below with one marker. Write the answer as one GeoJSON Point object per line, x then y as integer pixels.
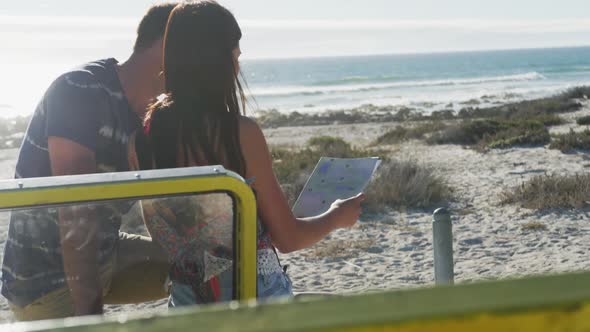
{"type": "Point", "coordinates": [548, 120]}
{"type": "Point", "coordinates": [288, 163]}
{"type": "Point", "coordinates": [396, 135]}
{"type": "Point", "coordinates": [331, 146]}
{"type": "Point", "coordinates": [534, 226]}
{"type": "Point", "coordinates": [400, 133]}
{"type": "Point", "coordinates": [518, 136]}
{"type": "Point", "coordinates": [561, 103]}
{"type": "Point", "coordinates": [406, 184]}
{"type": "Point", "coordinates": [467, 132]}
{"type": "Point", "coordinates": [293, 167]}
{"type": "Point", "coordinates": [496, 133]}
{"type": "Point", "coordinates": [397, 183]}
{"type": "Point", "coordinates": [551, 192]}
{"type": "Point", "coordinates": [583, 121]}
{"type": "Point", "coordinates": [580, 92]}
{"type": "Point", "coordinates": [571, 141]}
{"type": "Point", "coordinates": [363, 114]}
{"type": "Point", "coordinates": [443, 115]}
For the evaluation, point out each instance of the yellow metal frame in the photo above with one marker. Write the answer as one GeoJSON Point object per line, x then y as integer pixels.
{"type": "Point", "coordinates": [549, 303]}
{"type": "Point", "coordinates": [16, 194]}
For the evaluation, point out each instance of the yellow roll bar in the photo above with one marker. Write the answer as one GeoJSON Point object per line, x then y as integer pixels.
{"type": "Point", "coordinates": [29, 193]}
{"type": "Point", "coordinates": [536, 304]}
{"type": "Point", "coordinates": [549, 303]}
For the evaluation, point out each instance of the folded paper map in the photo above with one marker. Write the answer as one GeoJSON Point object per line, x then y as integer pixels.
{"type": "Point", "coordinates": [333, 179]}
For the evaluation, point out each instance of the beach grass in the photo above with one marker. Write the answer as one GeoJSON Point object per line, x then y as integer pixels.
{"type": "Point", "coordinates": [561, 103]}
{"type": "Point", "coordinates": [401, 134]}
{"type": "Point", "coordinates": [518, 136]}
{"type": "Point", "coordinates": [363, 114]}
{"type": "Point", "coordinates": [534, 226]}
{"type": "Point", "coordinates": [497, 132]}
{"type": "Point", "coordinates": [550, 192]}
{"type": "Point", "coordinates": [583, 121]}
{"type": "Point", "coordinates": [402, 184]}
{"type": "Point", "coordinates": [571, 141]}
{"type": "Point", "coordinates": [518, 124]}
{"type": "Point", "coordinates": [398, 183]}
{"type": "Point", "coordinates": [293, 166]}
{"type": "Point", "coordinates": [568, 101]}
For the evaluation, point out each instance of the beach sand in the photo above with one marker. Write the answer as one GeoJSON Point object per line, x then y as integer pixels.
{"type": "Point", "coordinates": [394, 250]}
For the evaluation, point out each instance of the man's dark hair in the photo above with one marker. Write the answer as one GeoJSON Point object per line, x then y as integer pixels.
{"type": "Point", "coordinates": [153, 26]}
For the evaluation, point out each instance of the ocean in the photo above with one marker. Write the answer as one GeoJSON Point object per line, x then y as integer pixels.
{"type": "Point", "coordinates": [425, 82]}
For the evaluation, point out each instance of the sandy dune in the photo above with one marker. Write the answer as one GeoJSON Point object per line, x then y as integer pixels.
{"type": "Point", "coordinates": [490, 241]}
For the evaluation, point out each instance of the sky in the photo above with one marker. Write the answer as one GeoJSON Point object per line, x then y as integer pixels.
{"type": "Point", "coordinates": [309, 28]}
{"type": "Point", "coordinates": [42, 38]}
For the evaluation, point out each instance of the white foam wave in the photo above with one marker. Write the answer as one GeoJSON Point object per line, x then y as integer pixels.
{"type": "Point", "coordinates": [330, 89]}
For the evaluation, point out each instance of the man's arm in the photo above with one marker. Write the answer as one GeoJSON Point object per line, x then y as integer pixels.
{"type": "Point", "coordinates": [78, 229]}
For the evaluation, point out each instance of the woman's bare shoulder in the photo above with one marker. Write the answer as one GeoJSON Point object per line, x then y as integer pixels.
{"type": "Point", "coordinates": [250, 131]}
{"type": "Point", "coordinates": [254, 149]}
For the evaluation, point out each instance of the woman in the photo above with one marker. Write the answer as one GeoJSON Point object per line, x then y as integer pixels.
{"type": "Point", "coordinates": [198, 123]}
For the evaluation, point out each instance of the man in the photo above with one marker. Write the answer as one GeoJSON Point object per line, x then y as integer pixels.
{"type": "Point", "coordinates": [70, 261]}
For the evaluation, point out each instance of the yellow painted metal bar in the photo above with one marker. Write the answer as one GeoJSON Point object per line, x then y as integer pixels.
{"type": "Point", "coordinates": [551, 303]}
{"type": "Point", "coordinates": [241, 193]}
{"type": "Point", "coordinates": [121, 190]}
{"type": "Point", "coordinates": [555, 320]}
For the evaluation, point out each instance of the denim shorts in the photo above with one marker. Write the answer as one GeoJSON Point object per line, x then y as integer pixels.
{"type": "Point", "coordinates": [271, 286]}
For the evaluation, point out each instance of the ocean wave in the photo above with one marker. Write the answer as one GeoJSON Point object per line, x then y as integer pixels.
{"type": "Point", "coordinates": [355, 79]}
{"type": "Point", "coordinates": [291, 91]}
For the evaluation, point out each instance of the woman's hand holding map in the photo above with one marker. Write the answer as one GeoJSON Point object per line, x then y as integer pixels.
{"type": "Point", "coordinates": [346, 212]}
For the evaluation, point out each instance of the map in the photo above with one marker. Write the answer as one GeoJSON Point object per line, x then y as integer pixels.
{"type": "Point", "coordinates": [332, 179]}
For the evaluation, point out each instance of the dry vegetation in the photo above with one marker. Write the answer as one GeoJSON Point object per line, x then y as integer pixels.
{"type": "Point", "coordinates": [520, 124]}
{"type": "Point", "coordinates": [294, 166]}
{"type": "Point", "coordinates": [533, 226]}
{"type": "Point", "coordinates": [551, 192]}
{"type": "Point", "coordinates": [397, 183]}
{"type": "Point", "coordinates": [401, 134]}
{"type": "Point", "coordinates": [481, 133]}
{"type": "Point", "coordinates": [406, 184]}
{"type": "Point", "coordinates": [497, 133]}
{"type": "Point", "coordinates": [583, 121]}
{"type": "Point", "coordinates": [561, 103]}
{"type": "Point", "coordinates": [571, 141]}
{"type": "Point", "coordinates": [364, 114]}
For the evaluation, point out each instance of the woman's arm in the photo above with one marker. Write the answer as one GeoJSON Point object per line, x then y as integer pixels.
{"type": "Point", "coordinates": [287, 232]}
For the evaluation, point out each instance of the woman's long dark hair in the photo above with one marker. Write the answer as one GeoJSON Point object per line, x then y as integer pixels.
{"type": "Point", "coordinates": [198, 120]}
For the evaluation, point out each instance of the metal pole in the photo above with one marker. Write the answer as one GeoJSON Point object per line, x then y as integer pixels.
{"type": "Point", "coordinates": [442, 233]}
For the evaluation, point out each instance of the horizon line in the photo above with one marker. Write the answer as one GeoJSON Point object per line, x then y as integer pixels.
{"type": "Point", "coordinates": [451, 51]}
